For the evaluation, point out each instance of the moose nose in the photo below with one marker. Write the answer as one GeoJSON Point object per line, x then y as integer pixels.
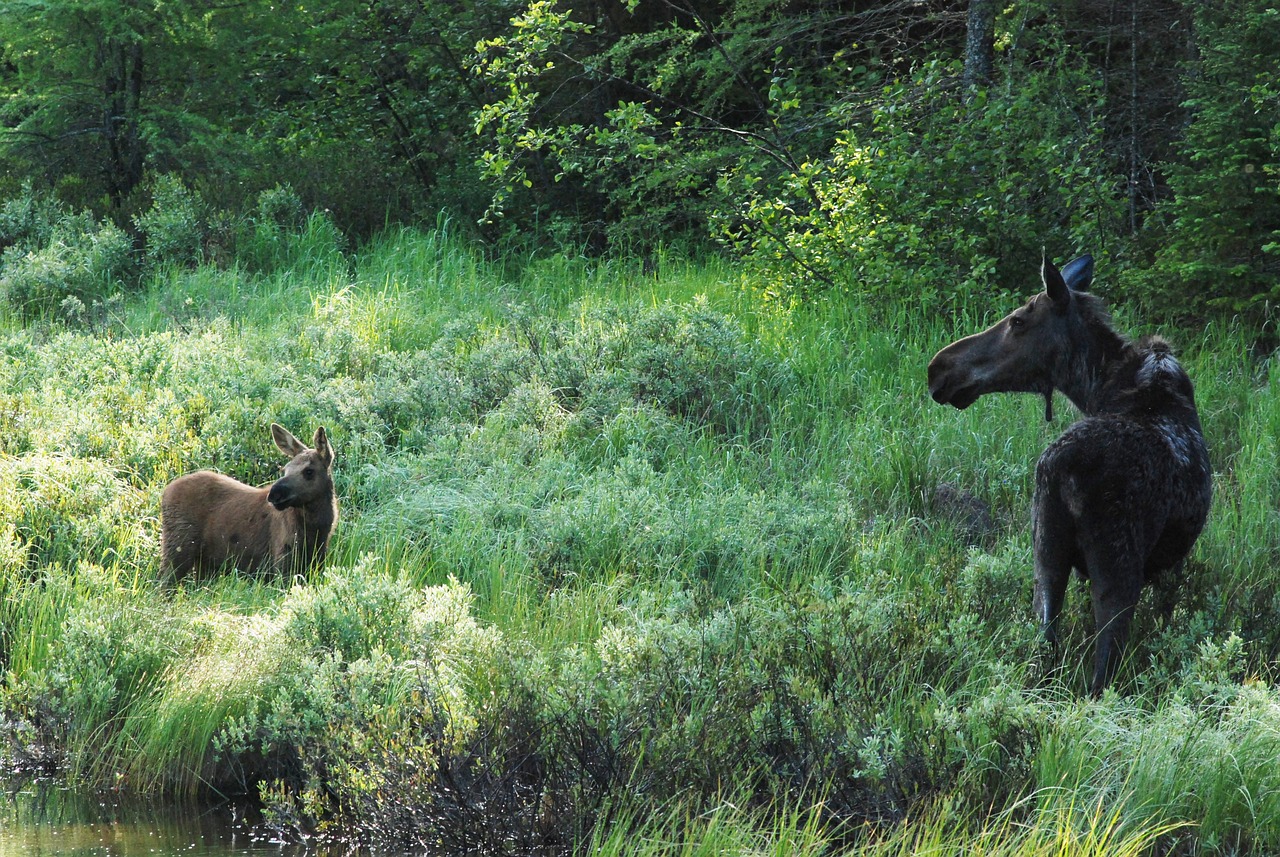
{"type": "Point", "coordinates": [937, 376]}
{"type": "Point", "coordinates": [279, 496]}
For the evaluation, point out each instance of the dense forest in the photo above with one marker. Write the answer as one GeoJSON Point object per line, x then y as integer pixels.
{"type": "Point", "coordinates": [617, 315]}
{"type": "Point", "coordinates": [892, 147]}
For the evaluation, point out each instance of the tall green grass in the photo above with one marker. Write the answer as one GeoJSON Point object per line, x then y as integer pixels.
{"type": "Point", "coordinates": [616, 542]}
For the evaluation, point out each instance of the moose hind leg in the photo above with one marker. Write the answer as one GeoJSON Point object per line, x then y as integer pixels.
{"type": "Point", "coordinates": [1115, 589]}
{"type": "Point", "coordinates": [1053, 534]}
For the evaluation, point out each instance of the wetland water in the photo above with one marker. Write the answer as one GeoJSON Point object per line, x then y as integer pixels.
{"type": "Point", "coordinates": [39, 822]}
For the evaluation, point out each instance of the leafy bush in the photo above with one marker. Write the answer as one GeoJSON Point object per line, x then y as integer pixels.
{"type": "Point", "coordinates": [673, 700]}
{"type": "Point", "coordinates": [283, 235]}
{"type": "Point", "coordinates": [931, 196]}
{"type": "Point", "coordinates": [174, 225]}
{"type": "Point", "coordinates": [351, 660]}
{"type": "Point", "coordinates": [280, 209]}
{"type": "Point", "coordinates": [692, 554]}
{"type": "Point", "coordinates": [82, 259]}
{"type": "Point", "coordinates": [108, 648]}
{"type": "Point", "coordinates": [27, 221]}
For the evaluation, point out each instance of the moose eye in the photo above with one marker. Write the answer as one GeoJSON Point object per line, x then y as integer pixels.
{"type": "Point", "coordinates": [1017, 321]}
{"type": "Point", "coordinates": [309, 474]}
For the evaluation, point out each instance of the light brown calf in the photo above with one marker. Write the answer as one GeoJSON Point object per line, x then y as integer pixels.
{"type": "Point", "coordinates": [210, 521]}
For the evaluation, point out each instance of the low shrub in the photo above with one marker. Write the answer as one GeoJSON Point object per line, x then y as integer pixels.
{"type": "Point", "coordinates": [350, 653]}
{"type": "Point", "coordinates": [173, 226]}
{"type": "Point", "coordinates": [282, 235]}
{"type": "Point", "coordinates": [83, 259]}
{"type": "Point", "coordinates": [108, 645]}
{"type": "Point", "coordinates": [61, 511]}
{"type": "Point", "coordinates": [27, 221]}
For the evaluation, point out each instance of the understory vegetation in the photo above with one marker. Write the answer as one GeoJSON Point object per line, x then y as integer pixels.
{"type": "Point", "coordinates": [629, 561]}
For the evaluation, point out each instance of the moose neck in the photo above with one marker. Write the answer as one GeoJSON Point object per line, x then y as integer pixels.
{"type": "Point", "coordinates": [319, 517]}
{"type": "Point", "coordinates": [1096, 352]}
{"type": "Point", "coordinates": [314, 523]}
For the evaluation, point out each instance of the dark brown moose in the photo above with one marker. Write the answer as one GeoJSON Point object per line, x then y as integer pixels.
{"type": "Point", "coordinates": [1122, 495]}
{"type": "Point", "coordinates": [210, 521]}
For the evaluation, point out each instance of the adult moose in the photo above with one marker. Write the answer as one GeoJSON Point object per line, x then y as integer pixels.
{"type": "Point", "coordinates": [209, 520]}
{"type": "Point", "coordinates": [1122, 495]}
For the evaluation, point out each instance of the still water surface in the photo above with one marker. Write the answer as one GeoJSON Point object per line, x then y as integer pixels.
{"type": "Point", "coordinates": [39, 822]}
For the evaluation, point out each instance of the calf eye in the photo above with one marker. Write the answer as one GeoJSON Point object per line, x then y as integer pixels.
{"type": "Point", "coordinates": [309, 473]}
{"type": "Point", "coordinates": [1017, 321]}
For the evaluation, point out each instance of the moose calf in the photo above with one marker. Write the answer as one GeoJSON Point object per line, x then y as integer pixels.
{"type": "Point", "coordinates": [209, 520]}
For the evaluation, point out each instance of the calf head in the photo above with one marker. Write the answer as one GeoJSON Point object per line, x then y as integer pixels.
{"type": "Point", "coordinates": [308, 477]}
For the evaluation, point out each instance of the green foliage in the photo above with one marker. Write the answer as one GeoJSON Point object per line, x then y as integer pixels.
{"type": "Point", "coordinates": [609, 552]}
{"type": "Point", "coordinates": [1204, 755]}
{"type": "Point", "coordinates": [27, 220]}
{"type": "Point", "coordinates": [735, 827]}
{"type": "Point", "coordinates": [108, 649]}
{"type": "Point", "coordinates": [60, 509]}
{"type": "Point", "coordinates": [173, 227]}
{"type": "Point", "coordinates": [282, 235]}
{"type": "Point", "coordinates": [933, 197]}
{"type": "Point", "coordinates": [513, 64]}
{"type": "Point", "coordinates": [359, 649]}
{"type": "Point", "coordinates": [822, 141]}
{"type": "Point", "coordinates": [81, 260]}
{"type": "Point", "coordinates": [1217, 241]}
{"type": "Point", "coordinates": [613, 129]}
{"type": "Point", "coordinates": [365, 109]}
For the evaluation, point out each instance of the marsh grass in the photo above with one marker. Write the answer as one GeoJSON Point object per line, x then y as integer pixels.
{"type": "Point", "coordinates": [616, 541]}
{"type": "Point", "coordinates": [939, 831]}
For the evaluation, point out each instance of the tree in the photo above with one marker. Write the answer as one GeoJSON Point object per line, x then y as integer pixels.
{"type": "Point", "coordinates": [92, 85]}
{"type": "Point", "coordinates": [363, 107]}
{"type": "Point", "coordinates": [641, 121]}
{"type": "Point", "coordinates": [1219, 237]}
{"type": "Point", "coordinates": [366, 107]}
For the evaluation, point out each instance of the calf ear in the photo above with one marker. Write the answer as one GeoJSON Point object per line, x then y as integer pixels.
{"type": "Point", "coordinates": [286, 442]}
{"type": "Point", "coordinates": [1055, 285]}
{"type": "Point", "coordinates": [320, 443]}
{"type": "Point", "coordinates": [1078, 273]}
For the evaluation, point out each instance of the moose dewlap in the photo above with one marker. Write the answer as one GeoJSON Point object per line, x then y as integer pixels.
{"type": "Point", "coordinates": [1123, 494]}
{"type": "Point", "coordinates": [210, 521]}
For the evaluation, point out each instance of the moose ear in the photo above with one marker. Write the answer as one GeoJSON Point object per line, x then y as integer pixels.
{"type": "Point", "coordinates": [1078, 273]}
{"type": "Point", "coordinates": [320, 443]}
{"type": "Point", "coordinates": [286, 442]}
{"type": "Point", "coordinates": [1055, 285]}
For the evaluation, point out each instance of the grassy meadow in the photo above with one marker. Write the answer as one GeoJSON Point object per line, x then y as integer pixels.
{"type": "Point", "coordinates": [629, 562]}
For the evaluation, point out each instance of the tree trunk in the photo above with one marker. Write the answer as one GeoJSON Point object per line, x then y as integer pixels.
{"type": "Point", "coordinates": [122, 104]}
{"type": "Point", "coordinates": [979, 45]}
